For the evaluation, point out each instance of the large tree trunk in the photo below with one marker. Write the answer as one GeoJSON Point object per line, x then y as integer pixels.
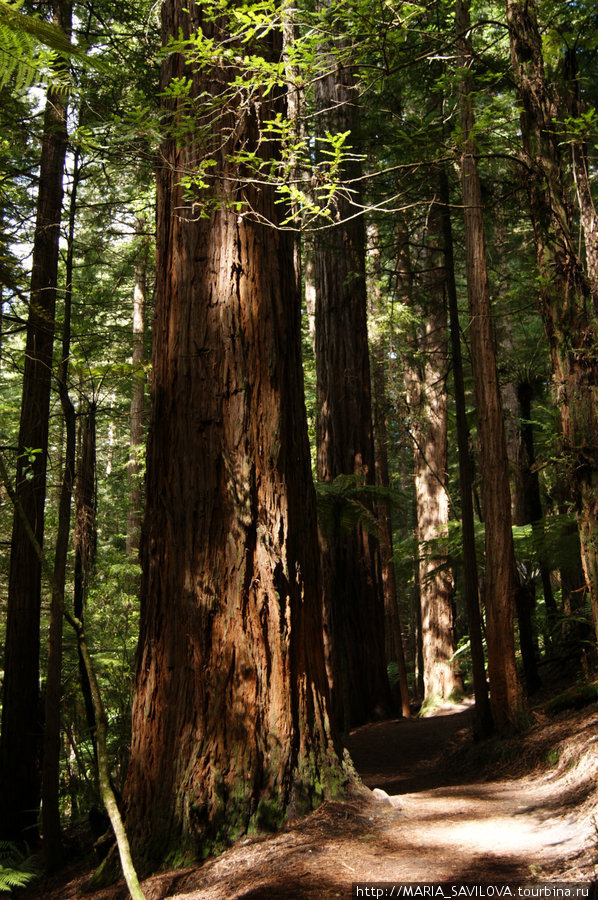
{"type": "Point", "coordinates": [230, 720]}
{"type": "Point", "coordinates": [353, 600]}
{"type": "Point", "coordinates": [428, 404]}
{"type": "Point", "coordinates": [567, 301]}
{"type": "Point", "coordinates": [505, 691]}
{"type": "Point", "coordinates": [20, 741]}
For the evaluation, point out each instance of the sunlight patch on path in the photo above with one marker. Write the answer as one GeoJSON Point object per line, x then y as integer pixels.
{"type": "Point", "coordinates": [493, 819]}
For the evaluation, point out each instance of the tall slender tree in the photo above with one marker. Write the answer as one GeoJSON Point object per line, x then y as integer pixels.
{"type": "Point", "coordinates": [230, 721]}
{"type": "Point", "coordinates": [51, 825]}
{"type": "Point", "coordinates": [427, 399]}
{"type": "Point", "coordinates": [20, 740]}
{"type": "Point", "coordinates": [395, 653]}
{"type": "Point", "coordinates": [353, 601]}
{"type": "Point", "coordinates": [138, 391]}
{"type": "Point", "coordinates": [482, 711]}
{"type": "Point", "coordinates": [505, 690]}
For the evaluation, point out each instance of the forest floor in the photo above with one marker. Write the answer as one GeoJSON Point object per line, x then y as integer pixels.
{"type": "Point", "coordinates": [440, 808]}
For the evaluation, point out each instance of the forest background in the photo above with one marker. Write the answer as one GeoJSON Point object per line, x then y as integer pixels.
{"type": "Point", "coordinates": [418, 181]}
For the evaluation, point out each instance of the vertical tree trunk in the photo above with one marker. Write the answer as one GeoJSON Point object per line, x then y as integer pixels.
{"type": "Point", "coordinates": [580, 167]}
{"type": "Point", "coordinates": [230, 719]}
{"type": "Point", "coordinates": [532, 508]}
{"type": "Point", "coordinates": [393, 635]}
{"type": "Point", "coordinates": [20, 740]}
{"type": "Point", "coordinates": [505, 691]}
{"type": "Point", "coordinates": [568, 302]}
{"type": "Point", "coordinates": [85, 543]}
{"type": "Point", "coordinates": [482, 712]}
{"type": "Point", "coordinates": [353, 600]}
{"type": "Point", "coordinates": [522, 488]}
{"type": "Point", "coordinates": [134, 512]}
{"type": "Point", "coordinates": [573, 593]}
{"type": "Point", "coordinates": [51, 830]}
{"type": "Point", "coordinates": [428, 404]}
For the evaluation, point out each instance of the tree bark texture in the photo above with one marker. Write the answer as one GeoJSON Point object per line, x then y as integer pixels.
{"type": "Point", "coordinates": [505, 690]}
{"type": "Point", "coordinates": [20, 742]}
{"type": "Point", "coordinates": [230, 718]}
{"type": "Point", "coordinates": [353, 602]}
{"type": "Point", "coordinates": [428, 406]}
{"type": "Point", "coordinates": [580, 167]}
{"type": "Point", "coordinates": [568, 303]}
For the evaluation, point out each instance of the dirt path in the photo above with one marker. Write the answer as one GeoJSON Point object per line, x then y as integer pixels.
{"type": "Point", "coordinates": [435, 814]}
{"type": "Point", "coordinates": [525, 828]}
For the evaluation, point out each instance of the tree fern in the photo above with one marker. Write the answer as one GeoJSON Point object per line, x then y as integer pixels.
{"type": "Point", "coordinates": [346, 502]}
{"type": "Point", "coordinates": [15, 869]}
{"type": "Point", "coordinates": [21, 39]}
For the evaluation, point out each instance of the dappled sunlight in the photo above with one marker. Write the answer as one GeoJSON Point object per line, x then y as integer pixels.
{"type": "Point", "coordinates": [489, 820]}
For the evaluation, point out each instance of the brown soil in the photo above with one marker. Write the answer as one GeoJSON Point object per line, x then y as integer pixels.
{"type": "Point", "coordinates": [439, 808]}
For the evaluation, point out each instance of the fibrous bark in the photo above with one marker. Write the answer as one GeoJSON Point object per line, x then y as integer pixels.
{"type": "Point", "coordinates": [428, 405]}
{"type": "Point", "coordinates": [230, 719]}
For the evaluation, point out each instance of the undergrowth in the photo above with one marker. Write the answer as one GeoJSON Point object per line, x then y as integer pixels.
{"type": "Point", "coordinates": [16, 869]}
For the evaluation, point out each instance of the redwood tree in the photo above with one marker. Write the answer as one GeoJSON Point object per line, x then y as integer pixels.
{"type": "Point", "coordinates": [230, 721]}
{"type": "Point", "coordinates": [427, 399]}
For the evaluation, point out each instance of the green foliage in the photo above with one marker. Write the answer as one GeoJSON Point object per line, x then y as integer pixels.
{"type": "Point", "coordinates": [552, 756]}
{"type": "Point", "coordinates": [30, 48]}
{"type": "Point", "coordinates": [20, 39]}
{"type": "Point", "coordinates": [347, 503]}
{"type": "Point", "coordinates": [16, 869]}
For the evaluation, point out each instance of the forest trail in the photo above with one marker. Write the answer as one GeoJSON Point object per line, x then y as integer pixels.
{"type": "Point", "coordinates": [440, 809]}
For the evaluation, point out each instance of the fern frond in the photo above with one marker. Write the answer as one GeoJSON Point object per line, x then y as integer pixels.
{"type": "Point", "coordinates": [17, 50]}
{"type": "Point", "coordinates": [15, 869]}
{"type": "Point", "coordinates": [20, 38]}
{"type": "Point", "coordinates": [347, 503]}
{"type": "Point", "coordinates": [13, 878]}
